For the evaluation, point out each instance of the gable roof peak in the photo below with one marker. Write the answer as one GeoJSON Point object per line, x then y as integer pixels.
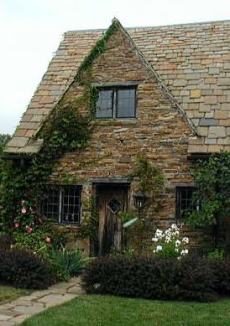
{"type": "Point", "coordinates": [115, 20]}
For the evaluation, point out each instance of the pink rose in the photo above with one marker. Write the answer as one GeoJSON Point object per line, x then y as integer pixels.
{"type": "Point", "coordinates": [48, 240]}
{"type": "Point", "coordinates": [23, 210]}
{"type": "Point", "coordinates": [29, 229]}
{"type": "Point", "coordinates": [16, 225]}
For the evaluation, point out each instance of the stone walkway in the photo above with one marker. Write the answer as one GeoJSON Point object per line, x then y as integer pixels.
{"type": "Point", "coordinates": [15, 312]}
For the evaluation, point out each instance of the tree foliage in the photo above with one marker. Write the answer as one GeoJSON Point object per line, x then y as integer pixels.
{"type": "Point", "coordinates": [212, 178]}
{"type": "Point", "coordinates": [4, 138]}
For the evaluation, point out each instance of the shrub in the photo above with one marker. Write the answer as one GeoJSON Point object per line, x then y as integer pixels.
{"type": "Point", "coordinates": [151, 277]}
{"type": "Point", "coordinates": [217, 254]}
{"type": "Point", "coordinates": [66, 264]}
{"type": "Point", "coordinates": [5, 241]}
{"type": "Point", "coordinates": [221, 270]}
{"type": "Point", "coordinates": [23, 269]}
{"type": "Point", "coordinates": [196, 279]}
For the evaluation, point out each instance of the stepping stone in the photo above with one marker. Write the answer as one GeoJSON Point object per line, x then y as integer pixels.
{"type": "Point", "coordinates": [4, 317]}
{"type": "Point", "coordinates": [30, 310]}
{"type": "Point", "coordinates": [55, 299]}
{"type": "Point", "coordinates": [76, 289]}
{"type": "Point", "coordinates": [18, 320]}
{"type": "Point", "coordinates": [8, 323]}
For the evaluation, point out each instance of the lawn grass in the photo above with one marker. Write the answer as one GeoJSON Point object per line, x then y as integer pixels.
{"type": "Point", "coordinates": [94, 310]}
{"type": "Point", "coordinates": [8, 293]}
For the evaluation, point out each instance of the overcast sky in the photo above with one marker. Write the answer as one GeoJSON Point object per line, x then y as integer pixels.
{"type": "Point", "coordinates": [30, 31]}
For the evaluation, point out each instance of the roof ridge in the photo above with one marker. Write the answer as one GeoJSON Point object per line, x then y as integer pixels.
{"type": "Point", "coordinates": [153, 27]}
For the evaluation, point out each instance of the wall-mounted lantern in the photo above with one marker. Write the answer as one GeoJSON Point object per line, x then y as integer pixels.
{"type": "Point", "coordinates": [139, 200]}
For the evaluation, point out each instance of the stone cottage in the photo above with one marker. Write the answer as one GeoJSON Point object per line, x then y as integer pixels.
{"type": "Point", "coordinates": [163, 92]}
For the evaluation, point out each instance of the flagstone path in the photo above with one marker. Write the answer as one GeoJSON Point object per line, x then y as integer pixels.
{"type": "Point", "coordinates": [15, 312]}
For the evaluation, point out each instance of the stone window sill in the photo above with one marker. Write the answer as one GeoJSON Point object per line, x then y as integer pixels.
{"type": "Point", "coordinates": [115, 122]}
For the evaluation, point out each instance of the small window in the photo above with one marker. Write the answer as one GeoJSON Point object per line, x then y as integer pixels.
{"type": "Point", "coordinates": [104, 107]}
{"type": "Point", "coordinates": [126, 103]}
{"type": "Point", "coordinates": [184, 201]}
{"type": "Point", "coordinates": [116, 102]}
{"type": "Point", "coordinates": [63, 204]}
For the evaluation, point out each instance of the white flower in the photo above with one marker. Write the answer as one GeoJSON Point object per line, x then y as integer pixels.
{"type": "Point", "coordinates": [167, 239]}
{"type": "Point", "coordinates": [154, 239]}
{"type": "Point", "coordinates": [159, 248]}
{"type": "Point", "coordinates": [176, 249]}
{"type": "Point", "coordinates": [184, 252]}
{"type": "Point", "coordinates": [159, 232]}
{"type": "Point", "coordinates": [185, 240]}
{"type": "Point", "coordinates": [177, 243]}
{"type": "Point", "coordinates": [174, 226]}
{"type": "Point", "coordinates": [168, 232]}
{"type": "Point", "coordinates": [176, 233]}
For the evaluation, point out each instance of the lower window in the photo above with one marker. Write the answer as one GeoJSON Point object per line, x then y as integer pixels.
{"type": "Point", "coordinates": [63, 204]}
{"type": "Point", "coordinates": [184, 201]}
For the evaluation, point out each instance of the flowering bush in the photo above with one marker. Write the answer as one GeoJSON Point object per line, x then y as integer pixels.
{"type": "Point", "coordinates": [27, 218]}
{"type": "Point", "coordinates": [35, 241]}
{"type": "Point", "coordinates": [170, 243]}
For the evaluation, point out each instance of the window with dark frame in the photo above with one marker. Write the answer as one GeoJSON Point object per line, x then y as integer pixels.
{"type": "Point", "coordinates": [184, 201]}
{"type": "Point", "coordinates": [116, 102]}
{"type": "Point", "coordinates": [63, 204]}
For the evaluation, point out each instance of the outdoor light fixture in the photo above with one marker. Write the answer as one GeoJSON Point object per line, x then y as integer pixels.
{"type": "Point", "coordinates": [139, 200]}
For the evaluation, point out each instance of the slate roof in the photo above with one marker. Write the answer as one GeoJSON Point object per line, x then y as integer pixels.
{"type": "Point", "coordinates": [192, 60]}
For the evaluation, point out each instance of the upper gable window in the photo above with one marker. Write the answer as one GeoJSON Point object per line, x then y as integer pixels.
{"type": "Point", "coordinates": [116, 102]}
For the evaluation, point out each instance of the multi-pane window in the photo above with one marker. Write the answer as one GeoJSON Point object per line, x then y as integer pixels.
{"type": "Point", "coordinates": [116, 102]}
{"type": "Point", "coordinates": [184, 201]}
{"type": "Point", "coordinates": [63, 204]}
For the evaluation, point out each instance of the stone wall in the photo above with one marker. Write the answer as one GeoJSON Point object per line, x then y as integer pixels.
{"type": "Point", "coordinates": [159, 132]}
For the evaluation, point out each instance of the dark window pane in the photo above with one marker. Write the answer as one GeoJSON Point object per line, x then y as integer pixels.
{"type": "Point", "coordinates": [184, 201]}
{"type": "Point", "coordinates": [71, 204]}
{"type": "Point", "coordinates": [50, 204]}
{"type": "Point", "coordinates": [126, 103]}
{"type": "Point", "coordinates": [114, 205]}
{"type": "Point", "coordinates": [104, 106]}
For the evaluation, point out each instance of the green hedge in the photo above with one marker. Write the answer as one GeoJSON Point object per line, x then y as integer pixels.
{"type": "Point", "coordinates": [191, 278]}
{"type": "Point", "coordinates": [23, 269]}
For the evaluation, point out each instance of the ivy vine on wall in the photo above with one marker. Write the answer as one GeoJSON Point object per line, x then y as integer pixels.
{"type": "Point", "coordinates": [65, 130]}
{"type": "Point", "coordinates": [150, 176]}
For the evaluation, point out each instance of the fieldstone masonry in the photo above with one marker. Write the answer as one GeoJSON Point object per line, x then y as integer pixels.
{"type": "Point", "coordinates": [159, 132]}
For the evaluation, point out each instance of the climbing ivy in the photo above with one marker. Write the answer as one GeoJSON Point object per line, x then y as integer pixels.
{"type": "Point", "coordinates": [151, 179]}
{"type": "Point", "coordinates": [99, 48]}
{"type": "Point", "coordinates": [23, 186]}
{"type": "Point", "coordinates": [65, 130]}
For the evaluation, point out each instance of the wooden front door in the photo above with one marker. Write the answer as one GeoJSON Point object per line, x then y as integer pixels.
{"type": "Point", "coordinates": [112, 201]}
